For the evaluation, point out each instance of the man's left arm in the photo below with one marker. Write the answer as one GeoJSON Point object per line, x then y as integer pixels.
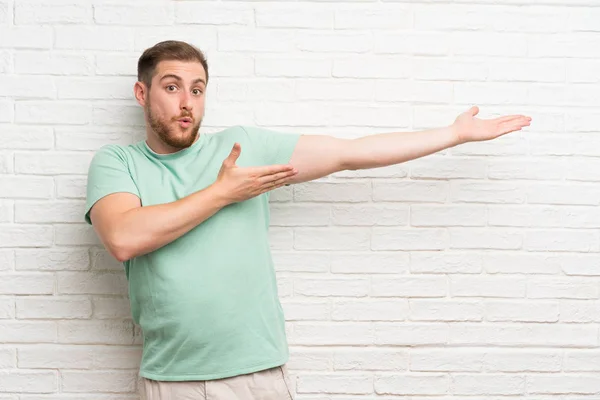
{"type": "Point", "coordinates": [316, 156]}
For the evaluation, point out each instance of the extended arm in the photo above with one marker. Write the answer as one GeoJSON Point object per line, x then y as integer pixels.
{"type": "Point", "coordinates": [316, 156]}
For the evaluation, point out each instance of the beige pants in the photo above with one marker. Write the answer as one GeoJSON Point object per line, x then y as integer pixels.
{"type": "Point", "coordinates": [270, 384]}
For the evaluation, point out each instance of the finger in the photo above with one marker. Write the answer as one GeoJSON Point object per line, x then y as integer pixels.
{"type": "Point", "coordinates": [275, 184]}
{"type": "Point", "coordinates": [474, 110]}
{"type": "Point", "coordinates": [234, 155]}
{"type": "Point", "coordinates": [274, 177]}
{"type": "Point", "coordinates": [511, 118]}
{"type": "Point", "coordinates": [269, 170]}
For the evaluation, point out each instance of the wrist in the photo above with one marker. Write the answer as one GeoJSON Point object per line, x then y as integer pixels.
{"type": "Point", "coordinates": [219, 195]}
{"type": "Point", "coordinates": [454, 134]}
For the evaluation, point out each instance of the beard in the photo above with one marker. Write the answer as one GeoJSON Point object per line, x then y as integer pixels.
{"type": "Point", "coordinates": [168, 132]}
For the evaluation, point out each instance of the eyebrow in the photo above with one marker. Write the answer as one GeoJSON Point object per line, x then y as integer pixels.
{"type": "Point", "coordinates": [178, 78]}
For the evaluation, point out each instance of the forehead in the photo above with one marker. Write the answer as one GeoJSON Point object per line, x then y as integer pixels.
{"type": "Point", "coordinates": [186, 70]}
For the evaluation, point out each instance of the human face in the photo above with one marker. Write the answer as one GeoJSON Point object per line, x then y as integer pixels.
{"type": "Point", "coordinates": [174, 104]}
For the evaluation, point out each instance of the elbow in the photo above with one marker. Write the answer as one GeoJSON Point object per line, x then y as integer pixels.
{"type": "Point", "coordinates": [119, 249]}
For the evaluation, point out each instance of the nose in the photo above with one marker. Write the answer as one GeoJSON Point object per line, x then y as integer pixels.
{"type": "Point", "coordinates": [186, 102]}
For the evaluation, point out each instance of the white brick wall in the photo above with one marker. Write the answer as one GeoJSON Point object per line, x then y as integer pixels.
{"type": "Point", "coordinates": [473, 272]}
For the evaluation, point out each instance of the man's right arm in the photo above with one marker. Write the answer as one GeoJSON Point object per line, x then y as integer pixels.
{"type": "Point", "coordinates": [127, 229]}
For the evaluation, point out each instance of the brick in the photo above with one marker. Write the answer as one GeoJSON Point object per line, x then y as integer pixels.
{"type": "Point", "coordinates": [27, 284]}
{"type": "Point", "coordinates": [289, 66]}
{"type": "Point", "coordinates": [582, 170]}
{"type": "Point", "coordinates": [49, 212]}
{"type": "Point", "coordinates": [27, 332]}
{"type": "Point", "coordinates": [489, 44]}
{"type": "Point", "coordinates": [332, 191]}
{"type": "Point", "coordinates": [530, 311]}
{"type": "Point", "coordinates": [76, 235]}
{"type": "Point", "coordinates": [53, 112]}
{"type": "Point", "coordinates": [563, 384]}
{"type": "Point", "coordinates": [369, 215]}
{"type": "Point", "coordinates": [52, 163]}
{"type": "Point", "coordinates": [146, 14]}
{"type": "Point", "coordinates": [334, 90]}
{"type": "Point", "coordinates": [54, 63]}
{"type": "Point", "coordinates": [28, 381]}
{"type": "Point", "coordinates": [6, 111]}
{"type": "Point", "coordinates": [93, 38]}
{"type": "Point", "coordinates": [331, 287]}
{"type": "Point", "coordinates": [71, 187]}
{"type": "Point", "coordinates": [53, 308]}
{"type": "Point", "coordinates": [476, 92]}
{"type": "Point", "coordinates": [531, 334]}
{"type": "Point", "coordinates": [300, 215]}
{"type": "Point", "coordinates": [435, 192]}
{"type": "Point", "coordinates": [55, 356]}
{"type": "Point", "coordinates": [111, 115]}
{"type": "Point", "coordinates": [110, 308]}
{"type": "Point", "coordinates": [25, 137]}
{"type": "Point", "coordinates": [331, 239]}
{"type": "Point", "coordinates": [459, 215]}
{"type": "Point", "coordinates": [81, 139]}
{"type": "Point", "coordinates": [455, 69]}
{"type": "Point", "coordinates": [385, 18]}
{"type": "Point", "coordinates": [52, 259]}
{"type": "Point", "coordinates": [371, 116]}
{"type": "Point", "coordinates": [109, 88]}
{"type": "Point", "coordinates": [522, 360]}
{"type": "Point", "coordinates": [111, 382]}
{"type": "Point", "coordinates": [7, 311]}
{"type": "Point", "coordinates": [95, 332]}
{"type": "Point", "coordinates": [203, 37]}
{"type": "Point", "coordinates": [301, 261]}
{"type": "Point", "coordinates": [335, 384]}
{"type": "Point", "coordinates": [579, 311]}
{"type": "Point", "coordinates": [213, 14]}
{"type": "Point", "coordinates": [8, 359]}
{"type": "Point", "coordinates": [508, 145]}
{"type": "Point", "coordinates": [7, 260]}
{"type": "Point", "coordinates": [484, 192]}
{"type": "Point", "coordinates": [305, 311]}
{"type": "Point", "coordinates": [34, 13]}
{"type": "Point", "coordinates": [339, 333]}
{"type": "Point", "coordinates": [578, 264]}
{"type": "Point", "coordinates": [309, 359]}
{"type": "Point", "coordinates": [446, 360]}
{"type": "Point", "coordinates": [370, 360]}
{"type": "Point", "coordinates": [336, 41]}
{"type": "Point", "coordinates": [26, 187]}
{"type": "Point", "coordinates": [259, 41]}
{"type": "Point", "coordinates": [562, 240]}
{"type": "Point", "coordinates": [446, 262]}
{"type": "Point", "coordinates": [370, 263]}
{"type": "Point", "coordinates": [564, 45]}
{"type": "Point", "coordinates": [27, 87]}
{"type": "Point", "coordinates": [480, 238]}
{"type": "Point", "coordinates": [412, 384]}
{"type": "Point", "coordinates": [563, 194]}
{"type": "Point", "coordinates": [378, 67]}
{"type": "Point", "coordinates": [6, 211]}
{"type": "Point", "coordinates": [91, 283]}
{"type": "Point", "coordinates": [409, 286]}
{"type": "Point", "coordinates": [281, 114]}
{"type": "Point", "coordinates": [26, 236]}
{"type": "Point", "coordinates": [562, 288]}
{"type": "Point", "coordinates": [116, 64]}
{"type": "Point", "coordinates": [585, 360]}
{"type": "Point", "coordinates": [377, 310]}
{"type": "Point", "coordinates": [281, 238]}
{"type": "Point", "coordinates": [519, 263]}
{"type": "Point", "coordinates": [492, 286]}
{"type": "Point", "coordinates": [415, 91]}
{"type": "Point", "coordinates": [409, 239]}
{"type": "Point", "coordinates": [294, 17]}
{"type": "Point", "coordinates": [410, 334]}
{"type": "Point", "coordinates": [494, 384]}
{"type": "Point", "coordinates": [446, 310]}
{"type": "Point", "coordinates": [418, 43]}
{"type": "Point", "coordinates": [26, 37]}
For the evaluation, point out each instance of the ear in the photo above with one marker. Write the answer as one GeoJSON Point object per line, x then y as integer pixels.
{"type": "Point", "coordinates": [140, 92]}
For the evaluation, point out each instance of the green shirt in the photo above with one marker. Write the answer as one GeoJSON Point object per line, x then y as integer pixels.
{"type": "Point", "coordinates": [207, 302]}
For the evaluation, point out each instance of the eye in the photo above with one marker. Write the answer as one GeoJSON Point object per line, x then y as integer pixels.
{"type": "Point", "coordinates": [197, 92]}
{"type": "Point", "coordinates": [171, 88]}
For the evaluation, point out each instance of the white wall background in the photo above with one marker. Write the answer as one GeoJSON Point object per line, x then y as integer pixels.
{"type": "Point", "coordinates": [470, 274]}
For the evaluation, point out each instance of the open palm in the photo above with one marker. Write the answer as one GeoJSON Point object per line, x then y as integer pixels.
{"type": "Point", "coordinates": [470, 129]}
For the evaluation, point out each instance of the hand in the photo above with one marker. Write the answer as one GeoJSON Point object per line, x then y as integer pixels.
{"type": "Point", "coordinates": [467, 128]}
{"type": "Point", "coordinates": [238, 184]}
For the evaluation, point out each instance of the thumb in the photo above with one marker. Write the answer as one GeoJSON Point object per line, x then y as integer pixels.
{"type": "Point", "coordinates": [474, 111]}
{"type": "Point", "coordinates": [234, 155]}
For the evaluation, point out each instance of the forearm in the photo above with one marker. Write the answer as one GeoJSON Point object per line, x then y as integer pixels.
{"type": "Point", "coordinates": [144, 229]}
{"type": "Point", "coordinates": [394, 148]}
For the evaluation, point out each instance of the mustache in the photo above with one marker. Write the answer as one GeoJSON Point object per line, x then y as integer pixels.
{"type": "Point", "coordinates": [185, 114]}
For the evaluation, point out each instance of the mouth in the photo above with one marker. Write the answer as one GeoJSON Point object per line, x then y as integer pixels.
{"type": "Point", "coordinates": [185, 122]}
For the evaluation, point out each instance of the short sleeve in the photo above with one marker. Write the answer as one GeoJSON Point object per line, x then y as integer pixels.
{"type": "Point", "coordinates": [108, 173]}
{"type": "Point", "coordinates": [276, 147]}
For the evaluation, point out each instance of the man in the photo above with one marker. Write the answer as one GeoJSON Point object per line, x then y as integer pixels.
{"type": "Point", "coordinates": [188, 215]}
